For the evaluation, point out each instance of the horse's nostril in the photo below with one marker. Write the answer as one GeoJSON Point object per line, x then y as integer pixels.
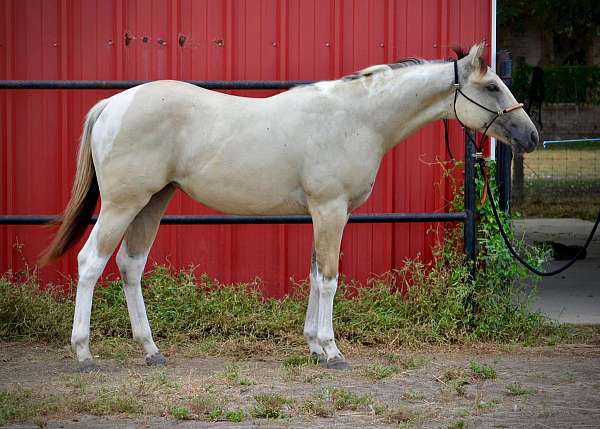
{"type": "Point", "coordinates": [534, 138]}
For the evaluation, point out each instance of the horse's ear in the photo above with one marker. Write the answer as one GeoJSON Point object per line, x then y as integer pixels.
{"type": "Point", "coordinates": [477, 62]}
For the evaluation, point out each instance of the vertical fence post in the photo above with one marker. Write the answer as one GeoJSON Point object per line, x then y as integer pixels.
{"type": "Point", "coordinates": [503, 152]}
{"type": "Point", "coordinates": [470, 222]}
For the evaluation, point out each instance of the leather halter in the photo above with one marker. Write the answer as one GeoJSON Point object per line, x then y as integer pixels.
{"type": "Point", "coordinates": [497, 114]}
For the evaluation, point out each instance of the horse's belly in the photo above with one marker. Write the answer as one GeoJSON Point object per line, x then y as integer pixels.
{"type": "Point", "coordinates": [250, 198]}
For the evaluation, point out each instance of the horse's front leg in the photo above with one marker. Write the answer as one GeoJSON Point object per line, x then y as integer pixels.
{"type": "Point", "coordinates": [329, 220]}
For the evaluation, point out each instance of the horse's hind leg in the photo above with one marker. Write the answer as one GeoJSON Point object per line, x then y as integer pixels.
{"type": "Point", "coordinates": [311, 324]}
{"type": "Point", "coordinates": [131, 260]}
{"type": "Point", "coordinates": [109, 229]}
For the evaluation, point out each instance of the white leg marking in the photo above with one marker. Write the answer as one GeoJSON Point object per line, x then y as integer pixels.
{"type": "Point", "coordinates": [90, 266]}
{"type": "Point", "coordinates": [325, 335]}
{"type": "Point", "coordinates": [312, 316]}
{"type": "Point", "coordinates": [131, 268]}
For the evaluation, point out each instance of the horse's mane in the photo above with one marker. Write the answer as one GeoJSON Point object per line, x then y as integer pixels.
{"type": "Point", "coordinates": [408, 62]}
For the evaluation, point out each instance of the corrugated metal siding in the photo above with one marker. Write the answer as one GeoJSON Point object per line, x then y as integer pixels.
{"type": "Point", "coordinates": [230, 39]}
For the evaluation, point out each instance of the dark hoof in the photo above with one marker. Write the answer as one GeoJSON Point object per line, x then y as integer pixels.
{"type": "Point", "coordinates": [87, 365]}
{"type": "Point", "coordinates": [156, 360]}
{"type": "Point", "coordinates": [336, 363]}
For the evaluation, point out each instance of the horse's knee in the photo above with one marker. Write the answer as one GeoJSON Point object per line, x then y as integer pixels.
{"type": "Point", "coordinates": [130, 266]}
{"type": "Point", "coordinates": [328, 286]}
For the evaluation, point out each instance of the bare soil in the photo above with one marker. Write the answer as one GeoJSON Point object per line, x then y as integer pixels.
{"type": "Point", "coordinates": [433, 387]}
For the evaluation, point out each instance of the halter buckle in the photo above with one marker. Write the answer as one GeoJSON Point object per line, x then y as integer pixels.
{"type": "Point", "coordinates": [478, 155]}
{"type": "Point", "coordinates": [456, 85]}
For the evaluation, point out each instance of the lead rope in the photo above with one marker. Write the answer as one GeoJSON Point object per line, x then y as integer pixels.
{"type": "Point", "coordinates": [482, 164]}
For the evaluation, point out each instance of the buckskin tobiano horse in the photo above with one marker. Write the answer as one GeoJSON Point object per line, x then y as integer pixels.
{"type": "Point", "coordinates": [312, 150]}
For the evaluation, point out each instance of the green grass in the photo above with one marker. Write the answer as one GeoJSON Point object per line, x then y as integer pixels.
{"type": "Point", "coordinates": [378, 371]}
{"type": "Point", "coordinates": [482, 371]}
{"type": "Point", "coordinates": [294, 361]}
{"type": "Point", "coordinates": [235, 416]}
{"type": "Point", "coordinates": [331, 399]}
{"type": "Point", "coordinates": [515, 389]}
{"type": "Point", "coordinates": [207, 405]}
{"type": "Point", "coordinates": [270, 406]}
{"type": "Point", "coordinates": [413, 395]}
{"type": "Point", "coordinates": [440, 307]}
{"type": "Point", "coordinates": [548, 198]}
{"type": "Point", "coordinates": [179, 412]}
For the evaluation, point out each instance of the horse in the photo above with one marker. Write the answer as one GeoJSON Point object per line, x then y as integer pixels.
{"type": "Point", "coordinates": [314, 149]}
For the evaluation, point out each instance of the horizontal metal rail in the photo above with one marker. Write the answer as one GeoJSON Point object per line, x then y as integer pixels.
{"type": "Point", "coordinates": [125, 84]}
{"type": "Point", "coordinates": [552, 142]}
{"type": "Point", "coordinates": [234, 220]}
{"type": "Point", "coordinates": [210, 219]}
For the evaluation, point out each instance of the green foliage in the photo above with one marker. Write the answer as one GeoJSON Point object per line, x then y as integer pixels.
{"type": "Point", "coordinates": [301, 361]}
{"type": "Point", "coordinates": [515, 389]}
{"type": "Point", "coordinates": [330, 399]}
{"type": "Point", "coordinates": [435, 302]}
{"type": "Point", "coordinates": [270, 406]}
{"type": "Point", "coordinates": [235, 415]}
{"type": "Point", "coordinates": [482, 371]}
{"type": "Point", "coordinates": [562, 84]}
{"type": "Point", "coordinates": [574, 18]}
{"type": "Point", "coordinates": [378, 371]}
{"type": "Point", "coordinates": [180, 413]}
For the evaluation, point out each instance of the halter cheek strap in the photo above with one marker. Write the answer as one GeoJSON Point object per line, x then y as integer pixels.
{"type": "Point", "coordinates": [497, 114]}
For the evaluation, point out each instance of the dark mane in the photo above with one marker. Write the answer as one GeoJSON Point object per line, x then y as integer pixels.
{"type": "Point", "coordinates": [402, 63]}
{"type": "Point", "coordinates": [407, 62]}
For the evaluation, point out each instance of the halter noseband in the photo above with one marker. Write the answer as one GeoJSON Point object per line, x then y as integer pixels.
{"type": "Point", "coordinates": [497, 114]}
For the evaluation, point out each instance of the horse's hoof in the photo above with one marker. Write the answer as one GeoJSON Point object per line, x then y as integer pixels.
{"type": "Point", "coordinates": [336, 363]}
{"type": "Point", "coordinates": [87, 365]}
{"type": "Point", "coordinates": [156, 360]}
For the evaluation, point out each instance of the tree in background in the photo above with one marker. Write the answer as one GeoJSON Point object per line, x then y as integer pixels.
{"type": "Point", "coordinates": [568, 28]}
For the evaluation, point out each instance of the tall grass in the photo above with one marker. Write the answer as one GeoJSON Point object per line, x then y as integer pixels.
{"type": "Point", "coordinates": [441, 306]}
{"type": "Point", "coordinates": [436, 302]}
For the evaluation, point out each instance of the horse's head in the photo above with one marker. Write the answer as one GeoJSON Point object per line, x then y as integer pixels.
{"type": "Point", "coordinates": [483, 96]}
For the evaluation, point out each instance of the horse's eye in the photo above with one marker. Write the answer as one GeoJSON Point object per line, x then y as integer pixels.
{"type": "Point", "coordinates": [492, 87]}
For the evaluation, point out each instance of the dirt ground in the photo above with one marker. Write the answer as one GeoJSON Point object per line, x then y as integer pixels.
{"type": "Point", "coordinates": [533, 387]}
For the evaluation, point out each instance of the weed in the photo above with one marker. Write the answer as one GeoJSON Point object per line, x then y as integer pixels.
{"type": "Point", "coordinates": [413, 395]}
{"type": "Point", "coordinates": [456, 379]}
{"type": "Point", "coordinates": [413, 362]}
{"type": "Point", "coordinates": [459, 424]}
{"type": "Point", "coordinates": [112, 401]}
{"type": "Point", "coordinates": [205, 346]}
{"type": "Point", "coordinates": [515, 389]}
{"type": "Point", "coordinates": [20, 404]}
{"type": "Point", "coordinates": [270, 406]}
{"type": "Point", "coordinates": [482, 371]}
{"type": "Point", "coordinates": [215, 414]}
{"type": "Point", "coordinates": [75, 381]}
{"type": "Point", "coordinates": [378, 371]}
{"type": "Point", "coordinates": [318, 407]}
{"type": "Point", "coordinates": [301, 361]}
{"type": "Point", "coordinates": [232, 375]}
{"type": "Point", "coordinates": [343, 399]}
{"type": "Point", "coordinates": [235, 415]}
{"type": "Point", "coordinates": [10, 407]}
{"type": "Point", "coordinates": [207, 404]}
{"type": "Point", "coordinates": [180, 412]}
{"type": "Point", "coordinates": [486, 405]}
{"type": "Point", "coordinates": [399, 415]}
{"type": "Point", "coordinates": [161, 379]}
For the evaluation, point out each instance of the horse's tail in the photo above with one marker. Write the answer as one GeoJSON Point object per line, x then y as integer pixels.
{"type": "Point", "coordinates": [84, 194]}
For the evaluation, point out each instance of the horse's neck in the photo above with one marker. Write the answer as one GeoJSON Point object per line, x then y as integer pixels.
{"type": "Point", "coordinates": [414, 97]}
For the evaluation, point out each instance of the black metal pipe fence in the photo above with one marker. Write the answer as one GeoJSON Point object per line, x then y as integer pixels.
{"type": "Point", "coordinates": [467, 216]}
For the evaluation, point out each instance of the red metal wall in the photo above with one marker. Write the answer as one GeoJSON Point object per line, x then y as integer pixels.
{"type": "Point", "coordinates": [229, 39]}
